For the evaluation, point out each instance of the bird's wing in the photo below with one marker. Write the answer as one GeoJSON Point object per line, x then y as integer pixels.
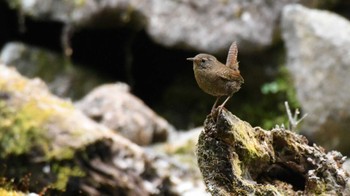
{"type": "Point", "coordinates": [231, 60]}
{"type": "Point", "coordinates": [231, 75]}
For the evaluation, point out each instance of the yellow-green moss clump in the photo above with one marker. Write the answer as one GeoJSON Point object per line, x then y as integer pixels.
{"type": "Point", "coordinates": [63, 175]}
{"type": "Point", "coordinates": [19, 132]}
{"type": "Point", "coordinates": [23, 129]}
{"type": "Point", "coordinates": [26, 113]}
{"type": "Point", "coordinates": [22, 132]}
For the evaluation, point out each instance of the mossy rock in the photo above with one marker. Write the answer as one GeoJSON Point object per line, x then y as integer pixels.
{"type": "Point", "coordinates": [46, 138]}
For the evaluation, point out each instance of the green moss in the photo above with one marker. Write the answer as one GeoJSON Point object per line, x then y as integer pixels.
{"type": "Point", "coordinates": [79, 3]}
{"type": "Point", "coordinates": [250, 146]}
{"type": "Point", "coordinates": [18, 132]}
{"type": "Point", "coordinates": [64, 173]}
{"type": "Point", "coordinates": [61, 153]}
{"type": "Point", "coordinates": [24, 130]}
{"type": "Point", "coordinates": [318, 188]}
{"type": "Point", "coordinates": [236, 165]}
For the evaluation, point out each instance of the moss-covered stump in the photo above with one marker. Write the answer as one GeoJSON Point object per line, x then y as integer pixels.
{"type": "Point", "coordinates": [237, 159]}
{"type": "Point", "coordinates": [49, 147]}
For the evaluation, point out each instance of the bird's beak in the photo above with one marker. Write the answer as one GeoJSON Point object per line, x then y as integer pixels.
{"type": "Point", "coordinates": [191, 59]}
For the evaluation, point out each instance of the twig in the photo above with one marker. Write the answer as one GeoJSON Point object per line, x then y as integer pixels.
{"type": "Point", "coordinates": [293, 120]}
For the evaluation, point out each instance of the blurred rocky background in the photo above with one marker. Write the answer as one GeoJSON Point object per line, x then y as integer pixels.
{"type": "Point", "coordinates": [122, 63]}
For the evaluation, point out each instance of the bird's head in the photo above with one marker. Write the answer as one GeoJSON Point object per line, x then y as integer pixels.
{"type": "Point", "coordinates": [203, 61]}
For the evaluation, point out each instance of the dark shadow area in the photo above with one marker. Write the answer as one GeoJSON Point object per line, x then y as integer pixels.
{"type": "Point", "coordinates": [342, 8]}
{"type": "Point", "coordinates": [39, 33]}
{"type": "Point", "coordinates": [8, 24]}
{"type": "Point", "coordinates": [102, 51]}
{"type": "Point", "coordinates": [282, 173]}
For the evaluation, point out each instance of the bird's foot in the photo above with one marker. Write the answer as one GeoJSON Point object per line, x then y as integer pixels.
{"type": "Point", "coordinates": [215, 112]}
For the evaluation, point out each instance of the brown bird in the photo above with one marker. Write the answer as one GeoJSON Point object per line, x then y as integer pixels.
{"type": "Point", "coordinates": [216, 78]}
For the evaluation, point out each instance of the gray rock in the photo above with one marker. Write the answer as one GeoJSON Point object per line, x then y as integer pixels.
{"type": "Point", "coordinates": [318, 53]}
{"type": "Point", "coordinates": [212, 25]}
{"type": "Point", "coordinates": [62, 77]}
{"type": "Point", "coordinates": [115, 107]}
{"type": "Point", "coordinates": [201, 25]}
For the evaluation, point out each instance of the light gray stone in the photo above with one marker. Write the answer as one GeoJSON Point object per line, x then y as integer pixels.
{"type": "Point", "coordinates": [318, 52]}
{"type": "Point", "coordinates": [115, 107]}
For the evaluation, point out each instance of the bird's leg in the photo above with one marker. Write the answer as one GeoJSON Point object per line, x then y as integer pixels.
{"type": "Point", "coordinates": [223, 104]}
{"type": "Point", "coordinates": [214, 106]}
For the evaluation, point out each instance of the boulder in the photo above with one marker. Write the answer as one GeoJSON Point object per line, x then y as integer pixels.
{"type": "Point", "coordinates": [317, 44]}
{"type": "Point", "coordinates": [115, 107]}
{"type": "Point", "coordinates": [200, 25]}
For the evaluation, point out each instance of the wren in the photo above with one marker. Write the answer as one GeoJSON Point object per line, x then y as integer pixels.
{"type": "Point", "coordinates": [216, 78]}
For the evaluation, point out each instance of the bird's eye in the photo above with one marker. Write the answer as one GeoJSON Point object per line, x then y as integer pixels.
{"type": "Point", "coordinates": [203, 62]}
